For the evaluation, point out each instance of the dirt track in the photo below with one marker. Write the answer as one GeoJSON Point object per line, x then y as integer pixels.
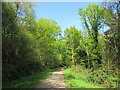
{"type": "Point", "coordinates": [56, 80]}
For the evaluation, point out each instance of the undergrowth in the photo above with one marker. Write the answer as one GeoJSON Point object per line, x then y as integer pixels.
{"type": "Point", "coordinates": [79, 77]}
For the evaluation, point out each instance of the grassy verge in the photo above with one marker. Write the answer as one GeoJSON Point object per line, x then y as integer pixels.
{"type": "Point", "coordinates": [28, 81]}
{"type": "Point", "coordinates": [78, 80]}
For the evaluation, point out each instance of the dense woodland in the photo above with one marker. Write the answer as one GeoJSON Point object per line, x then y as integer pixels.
{"type": "Point", "coordinates": [30, 46]}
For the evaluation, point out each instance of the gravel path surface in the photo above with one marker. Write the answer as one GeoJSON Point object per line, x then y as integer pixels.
{"type": "Point", "coordinates": [56, 80]}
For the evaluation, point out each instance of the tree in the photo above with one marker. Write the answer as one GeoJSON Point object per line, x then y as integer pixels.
{"type": "Point", "coordinates": [28, 46]}
{"type": "Point", "coordinates": [93, 18]}
{"type": "Point", "coordinates": [16, 46]}
{"type": "Point", "coordinates": [47, 38]}
{"type": "Point", "coordinates": [113, 21]}
{"type": "Point", "coordinates": [72, 37]}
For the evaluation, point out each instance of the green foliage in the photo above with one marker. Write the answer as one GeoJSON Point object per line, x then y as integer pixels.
{"type": "Point", "coordinates": [104, 78]}
{"type": "Point", "coordinates": [113, 34]}
{"type": "Point", "coordinates": [78, 80]}
{"type": "Point", "coordinates": [30, 46]}
{"type": "Point", "coordinates": [72, 38]}
{"type": "Point", "coordinates": [93, 19]}
{"type": "Point", "coordinates": [99, 78]}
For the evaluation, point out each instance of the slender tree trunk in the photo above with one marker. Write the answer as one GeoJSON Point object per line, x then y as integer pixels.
{"type": "Point", "coordinates": [88, 59]}
{"type": "Point", "coordinates": [73, 56]}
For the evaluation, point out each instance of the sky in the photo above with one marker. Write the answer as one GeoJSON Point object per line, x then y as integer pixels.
{"type": "Point", "coordinates": [64, 13]}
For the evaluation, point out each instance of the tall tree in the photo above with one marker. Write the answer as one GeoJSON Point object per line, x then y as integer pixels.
{"type": "Point", "coordinates": [113, 21]}
{"type": "Point", "coordinates": [93, 18]}
{"type": "Point", "coordinates": [72, 37]}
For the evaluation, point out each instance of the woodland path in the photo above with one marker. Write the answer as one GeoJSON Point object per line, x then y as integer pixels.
{"type": "Point", "coordinates": [56, 80]}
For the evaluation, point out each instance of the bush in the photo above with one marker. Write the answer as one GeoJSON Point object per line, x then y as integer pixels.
{"type": "Point", "coordinates": [103, 78]}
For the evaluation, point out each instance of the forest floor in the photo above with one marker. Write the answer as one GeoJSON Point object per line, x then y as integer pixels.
{"type": "Point", "coordinates": [56, 80]}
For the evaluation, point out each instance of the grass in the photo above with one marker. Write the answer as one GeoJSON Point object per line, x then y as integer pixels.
{"type": "Point", "coordinates": [78, 80]}
{"type": "Point", "coordinates": [28, 81]}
